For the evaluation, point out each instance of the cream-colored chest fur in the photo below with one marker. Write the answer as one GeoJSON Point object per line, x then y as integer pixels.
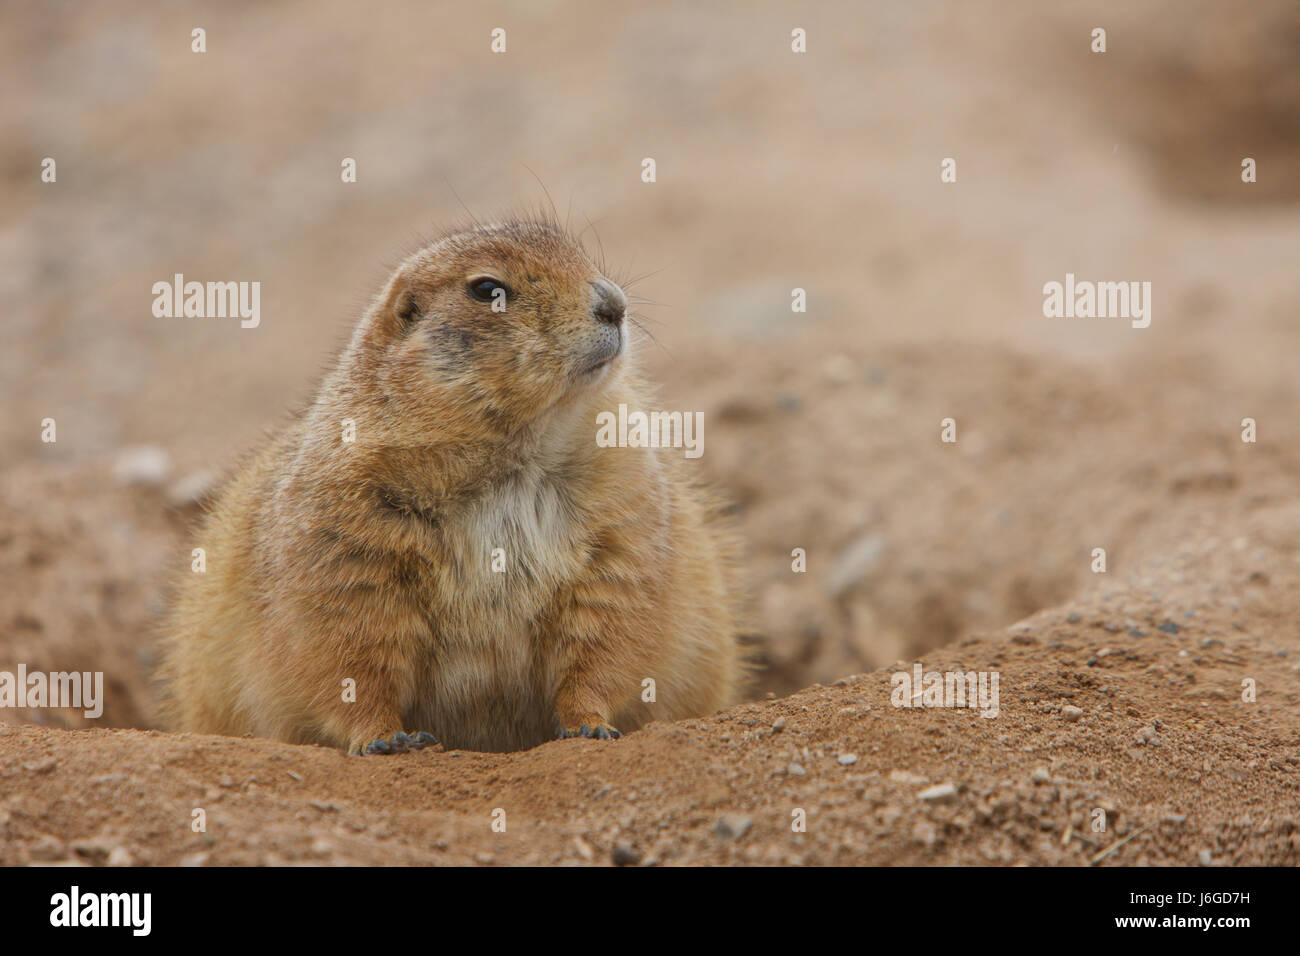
{"type": "Point", "coordinates": [504, 558]}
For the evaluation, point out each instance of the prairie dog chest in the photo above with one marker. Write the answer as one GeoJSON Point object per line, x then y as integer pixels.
{"type": "Point", "coordinates": [487, 684]}
{"type": "Point", "coordinates": [504, 557]}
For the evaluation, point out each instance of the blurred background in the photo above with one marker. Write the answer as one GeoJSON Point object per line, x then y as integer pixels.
{"type": "Point", "coordinates": [775, 170]}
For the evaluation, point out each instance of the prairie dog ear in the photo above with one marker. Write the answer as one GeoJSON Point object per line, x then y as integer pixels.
{"type": "Point", "coordinates": [406, 310]}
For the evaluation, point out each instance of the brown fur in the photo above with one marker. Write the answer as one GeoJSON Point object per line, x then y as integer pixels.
{"type": "Point", "coordinates": [371, 560]}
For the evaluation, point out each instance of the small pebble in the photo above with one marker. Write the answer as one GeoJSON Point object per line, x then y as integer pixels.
{"type": "Point", "coordinates": [939, 793]}
{"type": "Point", "coordinates": [95, 848]}
{"type": "Point", "coordinates": [732, 826]}
{"type": "Point", "coordinates": [625, 855]}
{"type": "Point", "coordinates": [120, 856]}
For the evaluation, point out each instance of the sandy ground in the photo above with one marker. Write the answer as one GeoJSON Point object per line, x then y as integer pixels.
{"type": "Point", "coordinates": [775, 171]}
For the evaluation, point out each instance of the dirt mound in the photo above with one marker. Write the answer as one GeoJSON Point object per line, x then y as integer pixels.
{"type": "Point", "coordinates": [84, 560]}
{"type": "Point", "coordinates": [910, 542]}
{"type": "Point", "coordinates": [1126, 707]}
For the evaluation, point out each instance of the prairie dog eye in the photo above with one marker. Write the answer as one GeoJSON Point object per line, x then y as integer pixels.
{"type": "Point", "coordinates": [484, 289]}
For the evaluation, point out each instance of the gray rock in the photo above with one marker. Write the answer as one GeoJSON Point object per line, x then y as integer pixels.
{"type": "Point", "coordinates": [732, 826]}
{"type": "Point", "coordinates": [625, 854]}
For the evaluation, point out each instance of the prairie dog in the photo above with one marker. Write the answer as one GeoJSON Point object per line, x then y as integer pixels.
{"type": "Point", "coordinates": [372, 560]}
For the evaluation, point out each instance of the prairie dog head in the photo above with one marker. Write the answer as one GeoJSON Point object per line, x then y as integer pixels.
{"type": "Point", "coordinates": [488, 329]}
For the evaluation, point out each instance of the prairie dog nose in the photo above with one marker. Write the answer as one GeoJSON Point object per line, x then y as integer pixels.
{"type": "Point", "coordinates": [608, 303]}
